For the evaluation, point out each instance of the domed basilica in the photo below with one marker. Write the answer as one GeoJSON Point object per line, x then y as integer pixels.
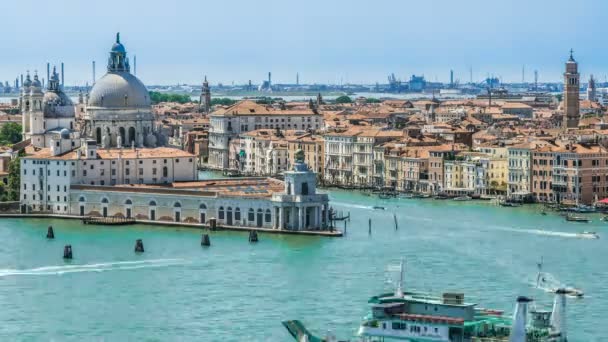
{"type": "Point", "coordinates": [45, 114]}
{"type": "Point", "coordinates": [118, 110]}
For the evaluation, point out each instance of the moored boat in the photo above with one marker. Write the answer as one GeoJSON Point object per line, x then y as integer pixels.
{"type": "Point", "coordinates": [463, 198]}
{"type": "Point", "coordinates": [575, 218]}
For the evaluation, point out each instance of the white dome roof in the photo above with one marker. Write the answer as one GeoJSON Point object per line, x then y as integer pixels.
{"type": "Point", "coordinates": [119, 90]}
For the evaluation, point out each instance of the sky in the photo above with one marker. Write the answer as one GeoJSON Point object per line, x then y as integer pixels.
{"type": "Point", "coordinates": [325, 41]}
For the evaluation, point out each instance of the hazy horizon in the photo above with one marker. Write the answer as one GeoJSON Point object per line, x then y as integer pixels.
{"type": "Point", "coordinates": [325, 42]}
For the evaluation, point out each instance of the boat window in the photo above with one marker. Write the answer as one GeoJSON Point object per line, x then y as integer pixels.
{"type": "Point", "coordinates": [399, 326]}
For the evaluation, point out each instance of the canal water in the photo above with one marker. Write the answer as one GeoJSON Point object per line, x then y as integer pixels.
{"type": "Point", "coordinates": [236, 291]}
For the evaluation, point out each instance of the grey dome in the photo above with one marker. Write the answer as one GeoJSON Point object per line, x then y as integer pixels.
{"type": "Point", "coordinates": [57, 104]}
{"type": "Point", "coordinates": [119, 90]}
{"type": "Point", "coordinates": [65, 133]}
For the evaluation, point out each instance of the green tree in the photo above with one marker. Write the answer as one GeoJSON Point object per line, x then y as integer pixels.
{"type": "Point", "coordinates": [224, 101]}
{"type": "Point", "coordinates": [14, 180]}
{"type": "Point", "coordinates": [343, 99]}
{"type": "Point", "coordinates": [372, 100]}
{"type": "Point", "coordinates": [10, 133]}
{"type": "Point", "coordinates": [157, 97]}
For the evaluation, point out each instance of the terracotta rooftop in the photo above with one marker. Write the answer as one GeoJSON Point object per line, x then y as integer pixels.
{"type": "Point", "coordinates": [115, 153]}
{"type": "Point", "coordinates": [248, 108]}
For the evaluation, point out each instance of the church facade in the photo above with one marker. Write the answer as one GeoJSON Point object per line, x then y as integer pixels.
{"type": "Point", "coordinates": [47, 114]}
{"type": "Point", "coordinates": [118, 108]}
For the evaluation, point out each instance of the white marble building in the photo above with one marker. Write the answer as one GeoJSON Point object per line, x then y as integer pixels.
{"type": "Point", "coordinates": [47, 174]}
{"type": "Point", "coordinates": [118, 108]}
{"type": "Point", "coordinates": [245, 202]}
{"type": "Point", "coordinates": [45, 114]}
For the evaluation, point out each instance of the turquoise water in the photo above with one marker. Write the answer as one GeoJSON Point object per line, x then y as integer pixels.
{"type": "Point", "coordinates": [235, 291]}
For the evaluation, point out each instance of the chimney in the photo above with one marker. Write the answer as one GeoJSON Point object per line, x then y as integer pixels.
{"type": "Point", "coordinates": [48, 71]}
{"type": "Point", "coordinates": [520, 317]}
{"type": "Point", "coordinates": [558, 315]}
{"type": "Point", "coordinates": [62, 79]}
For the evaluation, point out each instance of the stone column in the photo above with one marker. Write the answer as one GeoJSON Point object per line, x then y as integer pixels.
{"type": "Point", "coordinates": [301, 217]}
{"type": "Point", "coordinates": [281, 218]}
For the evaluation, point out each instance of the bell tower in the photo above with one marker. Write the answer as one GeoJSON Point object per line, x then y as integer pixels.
{"type": "Point", "coordinates": [571, 93]}
{"type": "Point", "coordinates": [205, 100]}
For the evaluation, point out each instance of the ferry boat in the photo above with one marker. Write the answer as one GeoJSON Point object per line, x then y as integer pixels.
{"type": "Point", "coordinates": [419, 317]}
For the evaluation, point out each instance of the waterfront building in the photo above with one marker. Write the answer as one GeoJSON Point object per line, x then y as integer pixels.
{"type": "Point", "coordinates": [466, 175]}
{"type": "Point", "coordinates": [228, 123]}
{"type": "Point", "coordinates": [292, 204]}
{"type": "Point", "coordinates": [48, 173]}
{"type": "Point", "coordinates": [570, 173]}
{"type": "Point", "coordinates": [363, 153]}
{"type": "Point", "coordinates": [339, 147]}
{"type": "Point", "coordinates": [118, 110]}
{"type": "Point", "coordinates": [571, 94]}
{"type": "Point", "coordinates": [45, 114]}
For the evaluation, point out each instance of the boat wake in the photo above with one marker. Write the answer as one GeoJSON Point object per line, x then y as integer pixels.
{"type": "Point", "coordinates": [540, 232]}
{"type": "Point", "coordinates": [99, 267]}
{"type": "Point", "coordinates": [351, 205]}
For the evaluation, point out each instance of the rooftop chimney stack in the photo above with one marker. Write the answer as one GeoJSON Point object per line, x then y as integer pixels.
{"type": "Point", "coordinates": [62, 74]}
{"type": "Point", "coordinates": [48, 71]}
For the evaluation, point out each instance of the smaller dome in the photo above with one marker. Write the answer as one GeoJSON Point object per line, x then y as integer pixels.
{"type": "Point", "coordinates": [118, 47]}
{"type": "Point", "coordinates": [65, 133]}
{"type": "Point", "coordinates": [27, 82]}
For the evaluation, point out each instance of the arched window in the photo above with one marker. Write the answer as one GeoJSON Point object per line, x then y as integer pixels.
{"type": "Point", "coordinates": [128, 202]}
{"type": "Point", "coordinates": [81, 199]}
{"type": "Point", "coordinates": [177, 205]}
{"type": "Point", "coordinates": [251, 215]}
{"type": "Point", "coordinates": [165, 171]}
{"type": "Point", "coordinates": [104, 200]}
{"type": "Point", "coordinates": [202, 206]}
{"type": "Point", "coordinates": [237, 214]}
{"type": "Point", "coordinates": [220, 213]}
{"type": "Point", "coordinates": [268, 217]}
{"type": "Point", "coordinates": [152, 203]}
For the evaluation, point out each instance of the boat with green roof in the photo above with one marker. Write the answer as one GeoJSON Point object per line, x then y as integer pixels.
{"type": "Point", "coordinates": [419, 317]}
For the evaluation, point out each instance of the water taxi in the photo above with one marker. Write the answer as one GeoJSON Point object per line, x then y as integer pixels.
{"type": "Point", "coordinates": [462, 198]}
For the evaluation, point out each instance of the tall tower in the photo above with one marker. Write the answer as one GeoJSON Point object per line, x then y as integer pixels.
{"type": "Point", "coordinates": [591, 90]}
{"type": "Point", "coordinates": [571, 93]}
{"type": "Point", "coordinates": [205, 100]}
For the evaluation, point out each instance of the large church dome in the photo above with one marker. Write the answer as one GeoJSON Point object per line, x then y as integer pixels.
{"type": "Point", "coordinates": [119, 90]}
